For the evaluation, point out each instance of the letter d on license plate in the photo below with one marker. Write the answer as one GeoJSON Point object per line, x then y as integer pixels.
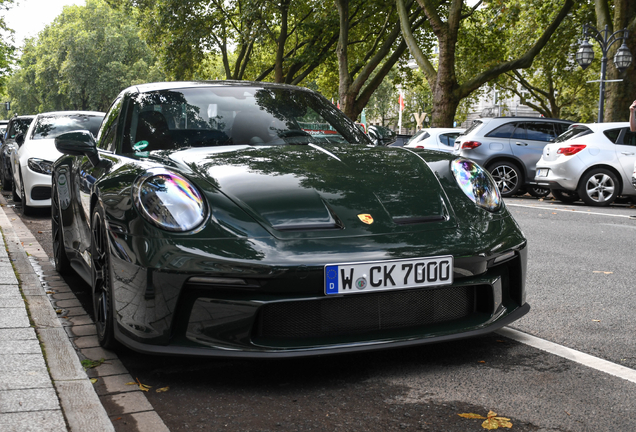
{"type": "Point", "coordinates": [351, 278]}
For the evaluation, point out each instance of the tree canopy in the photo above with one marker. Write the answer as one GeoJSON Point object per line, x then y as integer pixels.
{"type": "Point", "coordinates": [81, 61]}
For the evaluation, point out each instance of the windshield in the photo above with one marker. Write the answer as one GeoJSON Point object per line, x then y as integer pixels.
{"type": "Point", "coordinates": [574, 131]}
{"type": "Point", "coordinates": [51, 126]}
{"type": "Point", "coordinates": [417, 135]}
{"type": "Point", "coordinates": [216, 116]}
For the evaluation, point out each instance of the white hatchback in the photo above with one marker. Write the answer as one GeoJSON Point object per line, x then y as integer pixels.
{"type": "Point", "coordinates": [593, 162]}
{"type": "Point", "coordinates": [441, 139]}
{"type": "Point", "coordinates": [33, 156]}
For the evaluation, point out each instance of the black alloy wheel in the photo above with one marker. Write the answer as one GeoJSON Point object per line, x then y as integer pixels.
{"type": "Point", "coordinates": [599, 187]}
{"type": "Point", "coordinates": [507, 176]}
{"type": "Point", "coordinates": [565, 196]}
{"type": "Point", "coordinates": [62, 263]}
{"type": "Point", "coordinates": [538, 192]}
{"type": "Point", "coordinates": [101, 280]}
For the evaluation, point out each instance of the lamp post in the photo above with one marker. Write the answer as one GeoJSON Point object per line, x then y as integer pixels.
{"type": "Point", "coordinates": [585, 55]}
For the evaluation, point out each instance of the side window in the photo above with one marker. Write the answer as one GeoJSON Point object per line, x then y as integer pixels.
{"type": "Point", "coordinates": [520, 131]}
{"type": "Point", "coordinates": [504, 131]}
{"type": "Point", "coordinates": [612, 134]}
{"type": "Point", "coordinates": [540, 131]}
{"type": "Point", "coordinates": [448, 139]}
{"type": "Point", "coordinates": [561, 128]}
{"type": "Point", "coordinates": [107, 133]}
{"type": "Point", "coordinates": [629, 138]}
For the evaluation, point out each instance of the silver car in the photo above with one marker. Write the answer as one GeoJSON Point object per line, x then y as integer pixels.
{"type": "Point", "coordinates": [509, 148]}
{"type": "Point", "coordinates": [593, 162]}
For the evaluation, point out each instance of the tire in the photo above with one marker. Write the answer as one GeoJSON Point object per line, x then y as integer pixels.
{"type": "Point", "coordinates": [508, 177]}
{"type": "Point", "coordinates": [598, 187]}
{"type": "Point", "coordinates": [6, 179]}
{"type": "Point", "coordinates": [26, 209]}
{"type": "Point", "coordinates": [538, 192]}
{"type": "Point", "coordinates": [102, 280]}
{"type": "Point", "coordinates": [14, 193]}
{"type": "Point", "coordinates": [62, 263]}
{"type": "Point", "coordinates": [565, 196]}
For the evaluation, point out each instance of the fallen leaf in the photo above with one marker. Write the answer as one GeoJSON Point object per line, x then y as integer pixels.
{"type": "Point", "coordinates": [599, 271]}
{"type": "Point", "coordinates": [50, 292]}
{"type": "Point", "coordinates": [540, 199]}
{"type": "Point", "coordinates": [58, 311]}
{"type": "Point", "coordinates": [553, 213]}
{"type": "Point", "coordinates": [39, 232]}
{"type": "Point", "coordinates": [596, 320]}
{"type": "Point", "coordinates": [481, 361]}
{"type": "Point", "coordinates": [163, 389]}
{"type": "Point", "coordinates": [143, 387]}
{"type": "Point", "coordinates": [472, 416]}
{"type": "Point", "coordinates": [89, 363]}
{"type": "Point", "coordinates": [93, 380]}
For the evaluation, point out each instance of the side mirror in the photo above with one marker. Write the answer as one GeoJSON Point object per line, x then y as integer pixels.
{"type": "Point", "coordinates": [78, 143]}
{"type": "Point", "coordinates": [19, 139]}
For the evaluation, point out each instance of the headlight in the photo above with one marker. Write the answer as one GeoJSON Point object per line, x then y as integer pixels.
{"type": "Point", "coordinates": [476, 184]}
{"type": "Point", "coordinates": [169, 201]}
{"type": "Point", "coordinates": [40, 166]}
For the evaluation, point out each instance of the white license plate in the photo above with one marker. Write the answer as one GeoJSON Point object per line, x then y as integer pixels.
{"type": "Point", "coordinates": [543, 172]}
{"type": "Point", "coordinates": [351, 278]}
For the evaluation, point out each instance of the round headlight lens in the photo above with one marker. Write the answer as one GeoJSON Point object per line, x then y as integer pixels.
{"type": "Point", "coordinates": [476, 184]}
{"type": "Point", "coordinates": [169, 201]}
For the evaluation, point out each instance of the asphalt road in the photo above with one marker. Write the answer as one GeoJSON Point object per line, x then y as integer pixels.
{"type": "Point", "coordinates": [580, 282]}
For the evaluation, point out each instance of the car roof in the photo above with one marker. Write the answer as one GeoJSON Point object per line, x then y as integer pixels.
{"type": "Point", "coordinates": [514, 118]}
{"type": "Point", "coordinates": [168, 85]}
{"type": "Point", "coordinates": [62, 113]}
{"type": "Point", "coordinates": [603, 126]}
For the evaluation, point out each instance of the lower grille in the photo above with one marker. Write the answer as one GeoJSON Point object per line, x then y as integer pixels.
{"type": "Point", "coordinates": [362, 313]}
{"type": "Point", "coordinates": [41, 193]}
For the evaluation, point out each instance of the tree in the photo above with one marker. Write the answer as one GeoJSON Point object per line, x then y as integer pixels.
{"type": "Point", "coordinates": [81, 61]}
{"type": "Point", "coordinates": [255, 39]}
{"type": "Point", "coordinates": [7, 48]}
{"type": "Point", "coordinates": [618, 14]}
{"type": "Point", "coordinates": [555, 85]}
{"type": "Point", "coordinates": [369, 45]}
{"type": "Point", "coordinates": [447, 19]}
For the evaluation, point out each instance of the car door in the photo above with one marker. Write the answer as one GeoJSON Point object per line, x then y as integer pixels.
{"type": "Point", "coordinates": [626, 156]}
{"type": "Point", "coordinates": [528, 142]}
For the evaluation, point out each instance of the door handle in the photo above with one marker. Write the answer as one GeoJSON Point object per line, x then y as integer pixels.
{"type": "Point", "coordinates": [627, 154]}
{"type": "Point", "coordinates": [521, 143]}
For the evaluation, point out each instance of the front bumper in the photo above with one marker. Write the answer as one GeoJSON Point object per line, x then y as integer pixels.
{"type": "Point", "coordinates": [285, 313]}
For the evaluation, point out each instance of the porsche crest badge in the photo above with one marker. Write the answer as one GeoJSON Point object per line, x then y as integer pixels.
{"type": "Point", "coordinates": [366, 218]}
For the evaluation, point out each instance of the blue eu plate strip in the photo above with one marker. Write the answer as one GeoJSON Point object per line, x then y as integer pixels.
{"type": "Point", "coordinates": [331, 279]}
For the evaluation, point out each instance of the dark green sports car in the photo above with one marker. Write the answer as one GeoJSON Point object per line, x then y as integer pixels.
{"type": "Point", "coordinates": [255, 220]}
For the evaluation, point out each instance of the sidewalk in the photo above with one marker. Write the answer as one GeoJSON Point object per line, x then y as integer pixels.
{"type": "Point", "coordinates": [43, 386]}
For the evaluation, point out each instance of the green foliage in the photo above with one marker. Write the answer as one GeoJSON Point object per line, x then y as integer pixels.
{"type": "Point", "coordinates": [7, 48]}
{"type": "Point", "coordinates": [81, 61]}
{"type": "Point", "coordinates": [554, 85]}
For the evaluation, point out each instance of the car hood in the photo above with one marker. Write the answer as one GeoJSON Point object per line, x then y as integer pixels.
{"type": "Point", "coordinates": [349, 188]}
{"type": "Point", "coordinates": [42, 149]}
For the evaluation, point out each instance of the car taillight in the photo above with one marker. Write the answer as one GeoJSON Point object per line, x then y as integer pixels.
{"type": "Point", "coordinates": [419, 146]}
{"type": "Point", "coordinates": [571, 149]}
{"type": "Point", "coordinates": [469, 145]}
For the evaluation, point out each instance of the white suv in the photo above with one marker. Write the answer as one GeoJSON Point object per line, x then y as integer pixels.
{"type": "Point", "coordinates": [509, 148]}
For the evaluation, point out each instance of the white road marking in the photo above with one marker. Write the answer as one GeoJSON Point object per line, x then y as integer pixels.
{"type": "Point", "coordinates": [568, 210]}
{"type": "Point", "coordinates": [570, 354]}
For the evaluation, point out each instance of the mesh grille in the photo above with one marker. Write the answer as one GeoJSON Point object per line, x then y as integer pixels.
{"type": "Point", "coordinates": [41, 193]}
{"type": "Point", "coordinates": [363, 313]}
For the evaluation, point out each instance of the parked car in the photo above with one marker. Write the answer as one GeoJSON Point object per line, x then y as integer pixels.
{"type": "Point", "coordinates": [509, 148]}
{"type": "Point", "coordinates": [17, 125]}
{"type": "Point", "coordinates": [441, 139]}
{"type": "Point", "coordinates": [215, 219]}
{"type": "Point", "coordinates": [33, 156]}
{"type": "Point", "coordinates": [593, 162]}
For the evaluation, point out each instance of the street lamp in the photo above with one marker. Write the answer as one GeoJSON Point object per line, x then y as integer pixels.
{"type": "Point", "coordinates": [585, 55]}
